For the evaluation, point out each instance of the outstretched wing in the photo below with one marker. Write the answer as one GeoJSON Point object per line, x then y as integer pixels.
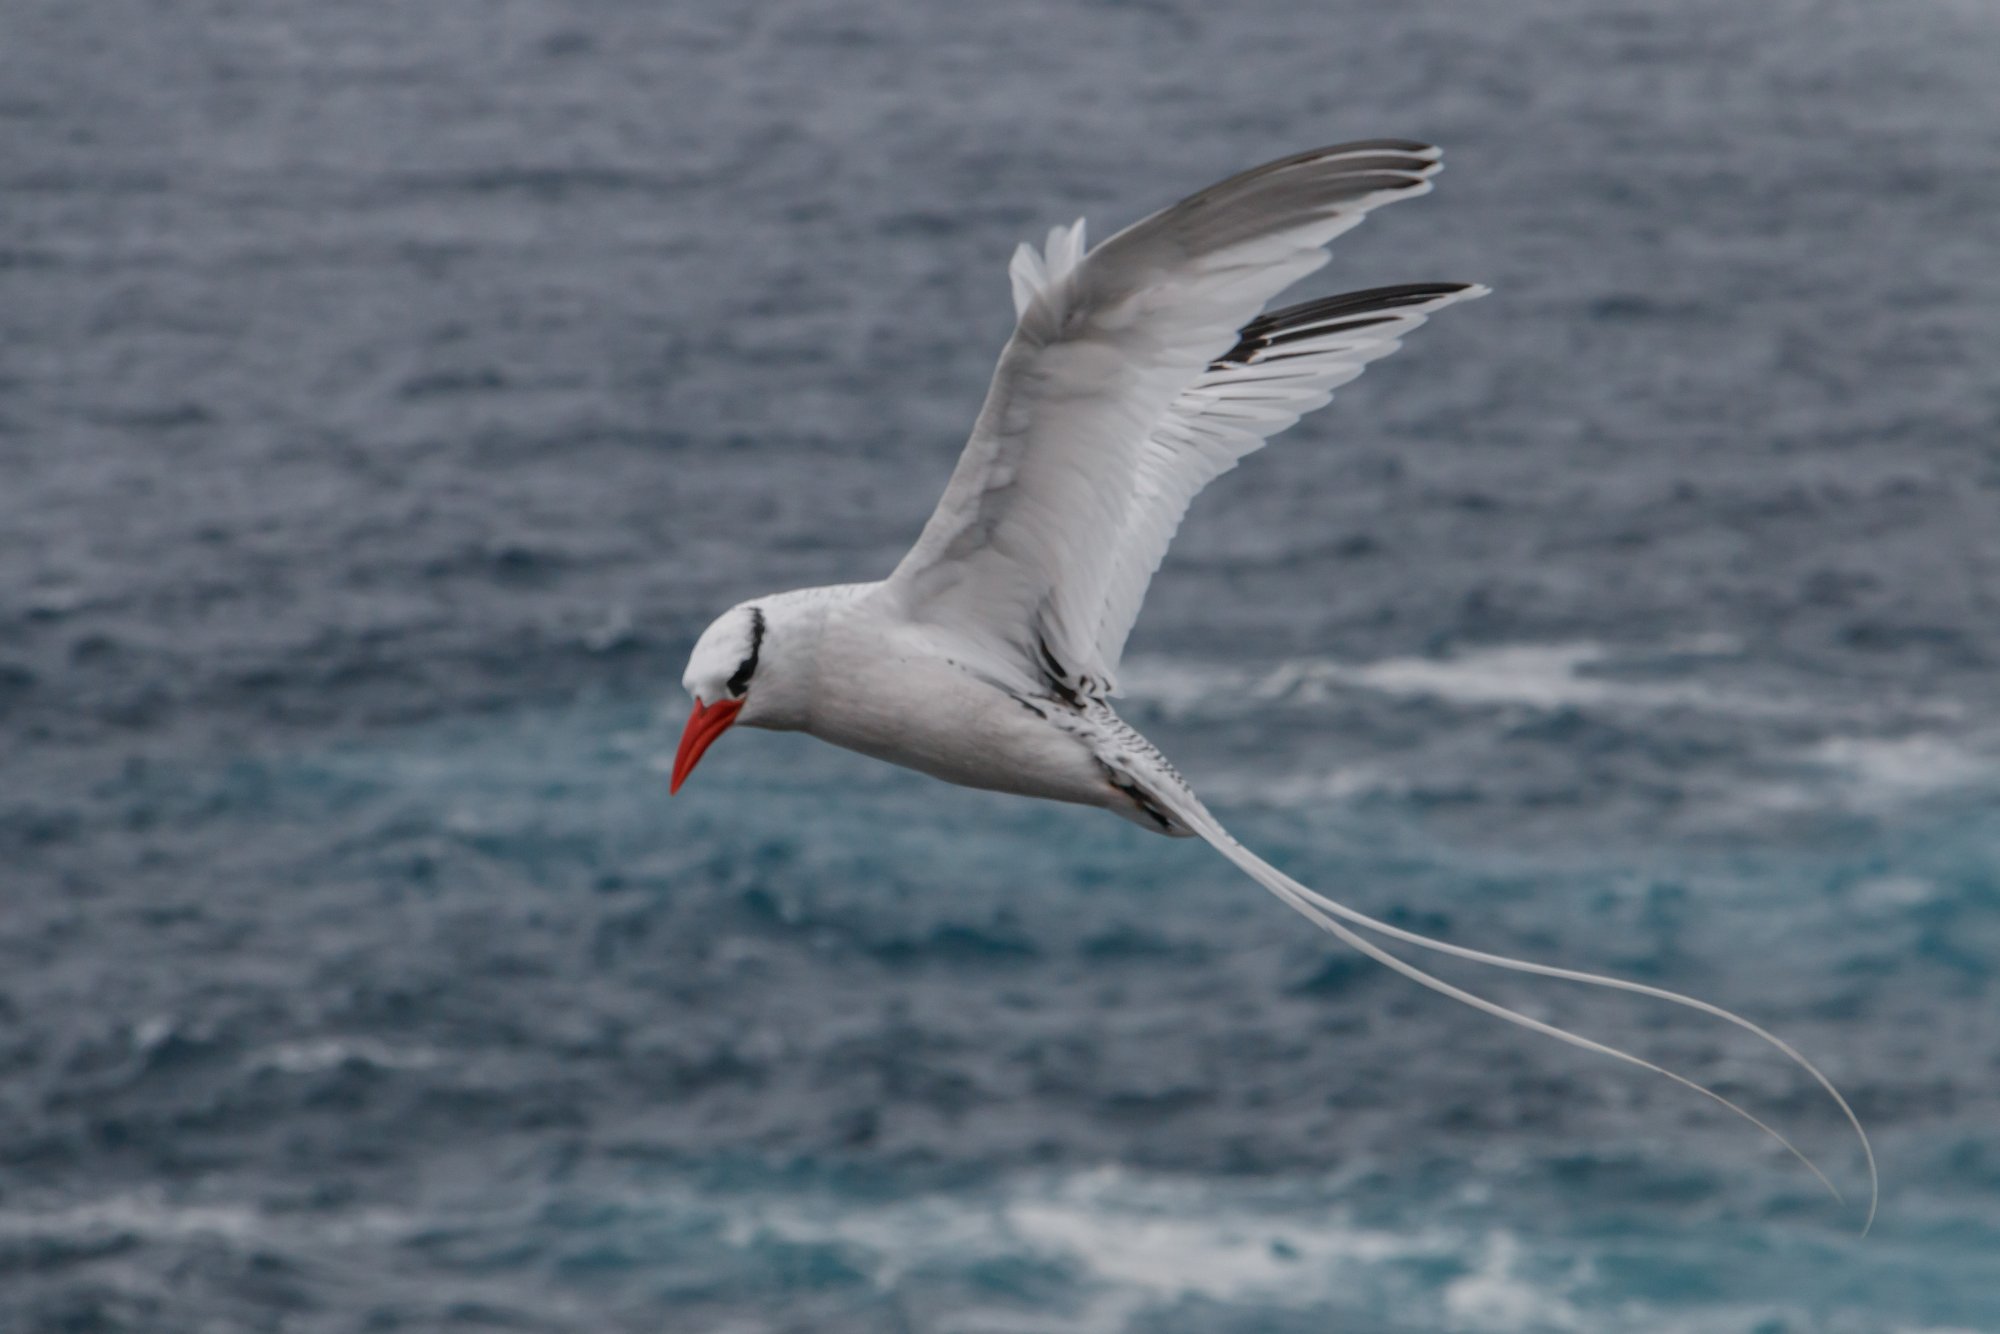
{"type": "Point", "coordinates": [1284, 365]}
{"type": "Point", "coordinates": [1136, 374]}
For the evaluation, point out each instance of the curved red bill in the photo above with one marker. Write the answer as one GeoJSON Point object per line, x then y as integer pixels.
{"type": "Point", "coordinates": [705, 724]}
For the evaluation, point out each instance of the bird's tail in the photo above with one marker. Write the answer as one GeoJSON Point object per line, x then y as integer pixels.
{"type": "Point", "coordinates": [1341, 921]}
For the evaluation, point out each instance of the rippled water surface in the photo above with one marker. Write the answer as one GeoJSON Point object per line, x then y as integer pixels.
{"type": "Point", "coordinates": [389, 393]}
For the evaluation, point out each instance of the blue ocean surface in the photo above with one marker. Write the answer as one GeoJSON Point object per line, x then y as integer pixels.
{"type": "Point", "coordinates": [390, 393]}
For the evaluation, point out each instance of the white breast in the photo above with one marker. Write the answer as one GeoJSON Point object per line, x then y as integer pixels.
{"type": "Point", "coordinates": [879, 688]}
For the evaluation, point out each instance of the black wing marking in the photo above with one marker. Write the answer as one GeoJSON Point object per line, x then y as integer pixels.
{"type": "Point", "coordinates": [1264, 337]}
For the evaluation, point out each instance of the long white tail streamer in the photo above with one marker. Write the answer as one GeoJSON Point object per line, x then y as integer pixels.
{"type": "Point", "coordinates": [1329, 915]}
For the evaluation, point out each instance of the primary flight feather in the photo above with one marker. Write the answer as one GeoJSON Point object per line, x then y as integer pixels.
{"type": "Point", "coordinates": [1138, 372]}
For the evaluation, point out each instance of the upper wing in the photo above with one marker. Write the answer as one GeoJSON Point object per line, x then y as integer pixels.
{"type": "Point", "coordinates": [1285, 364]}
{"type": "Point", "coordinates": [1135, 375]}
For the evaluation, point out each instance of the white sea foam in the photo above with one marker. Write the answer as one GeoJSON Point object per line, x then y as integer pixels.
{"type": "Point", "coordinates": [1128, 1243]}
{"type": "Point", "coordinates": [135, 1215]}
{"type": "Point", "coordinates": [1868, 770]}
{"type": "Point", "coordinates": [315, 1054]}
{"type": "Point", "coordinates": [1533, 676]}
{"type": "Point", "coordinates": [154, 1216]}
{"type": "Point", "coordinates": [1135, 1242]}
{"type": "Point", "coordinates": [1541, 676]}
{"type": "Point", "coordinates": [1887, 769]}
{"type": "Point", "coordinates": [1496, 1297]}
{"type": "Point", "coordinates": [1156, 1238]}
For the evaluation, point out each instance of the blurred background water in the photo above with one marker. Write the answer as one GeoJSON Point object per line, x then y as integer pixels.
{"type": "Point", "coordinates": [389, 393]}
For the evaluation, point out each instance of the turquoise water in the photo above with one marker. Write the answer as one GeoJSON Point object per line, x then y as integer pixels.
{"type": "Point", "coordinates": [481, 1032]}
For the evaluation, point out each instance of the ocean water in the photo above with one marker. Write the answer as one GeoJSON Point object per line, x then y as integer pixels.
{"type": "Point", "coordinates": [390, 393]}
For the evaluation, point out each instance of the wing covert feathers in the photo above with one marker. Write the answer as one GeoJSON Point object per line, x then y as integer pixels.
{"type": "Point", "coordinates": [1137, 372]}
{"type": "Point", "coordinates": [1284, 365]}
{"type": "Point", "coordinates": [1035, 273]}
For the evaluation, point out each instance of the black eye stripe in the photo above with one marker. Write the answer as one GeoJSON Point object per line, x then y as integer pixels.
{"type": "Point", "coordinates": [741, 681]}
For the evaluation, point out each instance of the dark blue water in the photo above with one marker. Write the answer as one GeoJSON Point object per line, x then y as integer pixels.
{"type": "Point", "coordinates": [389, 394]}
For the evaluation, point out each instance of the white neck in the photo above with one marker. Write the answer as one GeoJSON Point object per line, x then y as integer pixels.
{"type": "Point", "coordinates": [787, 682]}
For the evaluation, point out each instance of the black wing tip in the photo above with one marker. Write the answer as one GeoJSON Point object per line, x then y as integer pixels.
{"type": "Point", "coordinates": [1350, 310]}
{"type": "Point", "coordinates": [1365, 302]}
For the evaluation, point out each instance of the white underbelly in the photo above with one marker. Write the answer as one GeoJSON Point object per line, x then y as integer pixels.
{"type": "Point", "coordinates": [939, 720]}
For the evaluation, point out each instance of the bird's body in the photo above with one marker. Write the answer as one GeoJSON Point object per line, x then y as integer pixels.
{"type": "Point", "coordinates": [1138, 371]}
{"type": "Point", "coordinates": [867, 680]}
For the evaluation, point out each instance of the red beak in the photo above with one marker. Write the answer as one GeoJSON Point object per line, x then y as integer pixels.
{"type": "Point", "coordinates": [705, 724]}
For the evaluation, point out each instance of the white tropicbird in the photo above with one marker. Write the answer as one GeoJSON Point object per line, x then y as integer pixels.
{"type": "Point", "coordinates": [1137, 372]}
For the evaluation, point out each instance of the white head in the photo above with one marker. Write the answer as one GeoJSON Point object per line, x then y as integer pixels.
{"type": "Point", "coordinates": [726, 657]}
{"type": "Point", "coordinates": [722, 676]}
